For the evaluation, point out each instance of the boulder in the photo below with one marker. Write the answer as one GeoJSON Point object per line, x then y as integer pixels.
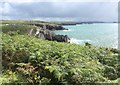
{"type": "Point", "coordinates": [61, 38]}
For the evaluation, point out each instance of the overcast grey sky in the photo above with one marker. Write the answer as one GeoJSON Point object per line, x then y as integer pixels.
{"type": "Point", "coordinates": [59, 10]}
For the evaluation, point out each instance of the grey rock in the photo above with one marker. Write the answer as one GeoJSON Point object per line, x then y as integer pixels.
{"type": "Point", "coordinates": [44, 33]}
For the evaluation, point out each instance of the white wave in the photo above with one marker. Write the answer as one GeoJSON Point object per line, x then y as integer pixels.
{"type": "Point", "coordinates": [77, 41]}
{"type": "Point", "coordinates": [67, 30]}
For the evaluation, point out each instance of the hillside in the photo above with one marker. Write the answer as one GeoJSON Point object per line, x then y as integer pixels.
{"type": "Point", "coordinates": [29, 60]}
{"type": "Point", "coordinates": [38, 29]}
{"type": "Point", "coordinates": [47, 61]}
{"type": "Point", "coordinates": [49, 25]}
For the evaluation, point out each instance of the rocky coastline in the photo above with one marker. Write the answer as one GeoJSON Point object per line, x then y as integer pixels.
{"type": "Point", "coordinates": [41, 30]}
{"type": "Point", "coordinates": [50, 27]}
{"type": "Point", "coordinates": [46, 32]}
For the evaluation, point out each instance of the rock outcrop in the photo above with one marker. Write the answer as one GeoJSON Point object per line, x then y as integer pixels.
{"type": "Point", "coordinates": [44, 33]}
{"type": "Point", "coordinates": [50, 27]}
{"type": "Point", "coordinates": [61, 38]}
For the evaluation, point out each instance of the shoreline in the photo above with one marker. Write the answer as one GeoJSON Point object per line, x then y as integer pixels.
{"type": "Point", "coordinates": [83, 42]}
{"type": "Point", "coordinates": [77, 40]}
{"type": "Point", "coordinates": [50, 27]}
{"type": "Point", "coordinates": [75, 23]}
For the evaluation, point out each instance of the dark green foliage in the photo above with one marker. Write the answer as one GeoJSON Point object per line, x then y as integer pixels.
{"type": "Point", "coordinates": [19, 28]}
{"type": "Point", "coordinates": [40, 61]}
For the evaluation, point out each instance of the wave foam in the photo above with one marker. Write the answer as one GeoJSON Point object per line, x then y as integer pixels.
{"type": "Point", "coordinates": [77, 41]}
{"type": "Point", "coordinates": [67, 30]}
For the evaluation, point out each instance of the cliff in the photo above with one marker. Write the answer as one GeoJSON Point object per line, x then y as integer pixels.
{"type": "Point", "coordinates": [50, 27]}
{"type": "Point", "coordinates": [39, 30]}
{"type": "Point", "coordinates": [44, 33]}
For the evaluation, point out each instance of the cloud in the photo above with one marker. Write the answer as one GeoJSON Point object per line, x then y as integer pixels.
{"type": "Point", "coordinates": [80, 11]}
{"type": "Point", "coordinates": [28, 1]}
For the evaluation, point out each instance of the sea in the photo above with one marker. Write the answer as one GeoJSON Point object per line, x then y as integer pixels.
{"type": "Point", "coordinates": [98, 34]}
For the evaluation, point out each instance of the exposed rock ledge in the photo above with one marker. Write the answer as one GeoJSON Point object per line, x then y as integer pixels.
{"type": "Point", "coordinates": [44, 33]}
{"type": "Point", "coordinates": [50, 27]}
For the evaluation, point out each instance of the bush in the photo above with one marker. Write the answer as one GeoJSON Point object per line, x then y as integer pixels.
{"type": "Point", "coordinates": [20, 28]}
{"type": "Point", "coordinates": [41, 61]}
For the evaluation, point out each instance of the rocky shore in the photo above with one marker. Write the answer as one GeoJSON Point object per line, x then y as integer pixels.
{"type": "Point", "coordinates": [44, 32]}
{"type": "Point", "coordinates": [50, 27]}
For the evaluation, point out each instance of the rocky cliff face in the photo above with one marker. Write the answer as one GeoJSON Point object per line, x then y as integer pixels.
{"type": "Point", "coordinates": [50, 27]}
{"type": "Point", "coordinates": [44, 33]}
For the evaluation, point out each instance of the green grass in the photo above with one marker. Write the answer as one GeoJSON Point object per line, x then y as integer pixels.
{"type": "Point", "coordinates": [21, 26]}
{"type": "Point", "coordinates": [42, 61]}
{"type": "Point", "coordinates": [21, 29]}
{"type": "Point", "coordinates": [25, 22]}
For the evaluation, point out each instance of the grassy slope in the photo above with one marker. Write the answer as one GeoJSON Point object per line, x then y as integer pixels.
{"type": "Point", "coordinates": [55, 62]}
{"type": "Point", "coordinates": [21, 29]}
{"type": "Point", "coordinates": [26, 22]}
{"type": "Point", "coordinates": [21, 26]}
{"type": "Point", "coordinates": [27, 59]}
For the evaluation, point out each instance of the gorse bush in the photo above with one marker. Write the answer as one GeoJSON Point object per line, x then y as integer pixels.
{"type": "Point", "coordinates": [49, 62]}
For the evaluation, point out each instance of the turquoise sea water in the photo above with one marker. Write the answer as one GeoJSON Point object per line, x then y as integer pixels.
{"type": "Point", "coordinates": [100, 34]}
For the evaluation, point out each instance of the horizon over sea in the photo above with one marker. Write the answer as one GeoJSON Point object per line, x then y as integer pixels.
{"type": "Point", "coordinates": [98, 34]}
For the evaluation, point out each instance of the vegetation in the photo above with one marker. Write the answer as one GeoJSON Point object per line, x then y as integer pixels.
{"type": "Point", "coordinates": [24, 22]}
{"type": "Point", "coordinates": [40, 61]}
{"type": "Point", "coordinates": [26, 59]}
{"type": "Point", "coordinates": [21, 29]}
{"type": "Point", "coordinates": [21, 26]}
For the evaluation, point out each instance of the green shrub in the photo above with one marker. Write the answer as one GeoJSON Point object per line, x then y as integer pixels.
{"type": "Point", "coordinates": [41, 61]}
{"type": "Point", "coordinates": [19, 28]}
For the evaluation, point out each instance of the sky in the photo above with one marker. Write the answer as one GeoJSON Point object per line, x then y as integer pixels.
{"type": "Point", "coordinates": [59, 10]}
